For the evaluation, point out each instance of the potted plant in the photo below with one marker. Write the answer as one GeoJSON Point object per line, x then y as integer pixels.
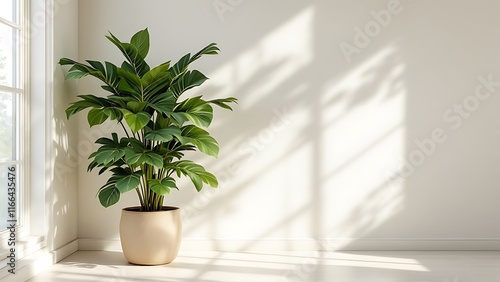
{"type": "Point", "coordinates": [158, 126]}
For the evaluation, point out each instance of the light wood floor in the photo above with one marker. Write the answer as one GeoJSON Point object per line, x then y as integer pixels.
{"type": "Point", "coordinates": [282, 266]}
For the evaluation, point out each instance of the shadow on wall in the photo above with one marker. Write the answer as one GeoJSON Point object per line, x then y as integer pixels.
{"type": "Point", "coordinates": [64, 186]}
{"type": "Point", "coordinates": [370, 142]}
{"type": "Point", "coordinates": [314, 137]}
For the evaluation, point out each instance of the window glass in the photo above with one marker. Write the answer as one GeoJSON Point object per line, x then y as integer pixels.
{"type": "Point", "coordinates": [8, 128]}
{"type": "Point", "coordinates": [9, 10]}
{"type": "Point", "coordinates": [9, 56]}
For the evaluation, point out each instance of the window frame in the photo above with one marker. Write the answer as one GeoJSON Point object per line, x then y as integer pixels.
{"type": "Point", "coordinates": [22, 90]}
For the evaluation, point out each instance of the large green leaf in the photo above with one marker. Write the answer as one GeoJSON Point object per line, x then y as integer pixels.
{"type": "Point", "coordinates": [128, 182]}
{"type": "Point", "coordinates": [162, 121]}
{"type": "Point", "coordinates": [132, 55]}
{"type": "Point", "coordinates": [187, 81]}
{"type": "Point", "coordinates": [223, 103]}
{"type": "Point", "coordinates": [210, 49]}
{"type": "Point", "coordinates": [107, 155]}
{"type": "Point", "coordinates": [111, 150]}
{"type": "Point", "coordinates": [182, 65]}
{"type": "Point", "coordinates": [79, 70]}
{"type": "Point", "coordinates": [111, 73]}
{"type": "Point", "coordinates": [134, 83]}
{"type": "Point", "coordinates": [162, 187]}
{"type": "Point", "coordinates": [121, 101]}
{"type": "Point", "coordinates": [136, 121]}
{"type": "Point", "coordinates": [109, 196]}
{"type": "Point", "coordinates": [163, 103]}
{"type": "Point", "coordinates": [108, 141]}
{"type": "Point", "coordinates": [135, 106]}
{"type": "Point", "coordinates": [164, 134]}
{"type": "Point", "coordinates": [154, 159]}
{"type": "Point", "coordinates": [114, 113]}
{"type": "Point", "coordinates": [135, 158]}
{"type": "Point", "coordinates": [106, 75]}
{"type": "Point", "coordinates": [196, 110]}
{"type": "Point", "coordinates": [126, 66]}
{"type": "Point", "coordinates": [201, 139]}
{"type": "Point", "coordinates": [196, 173]}
{"type": "Point", "coordinates": [87, 101]}
{"type": "Point", "coordinates": [76, 75]}
{"type": "Point", "coordinates": [155, 80]}
{"type": "Point", "coordinates": [140, 41]}
{"type": "Point", "coordinates": [96, 116]}
{"type": "Point", "coordinates": [97, 65]}
{"type": "Point", "coordinates": [126, 89]}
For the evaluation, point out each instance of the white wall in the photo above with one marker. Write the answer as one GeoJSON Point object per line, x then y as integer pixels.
{"type": "Point", "coordinates": [310, 149]}
{"type": "Point", "coordinates": [62, 201]}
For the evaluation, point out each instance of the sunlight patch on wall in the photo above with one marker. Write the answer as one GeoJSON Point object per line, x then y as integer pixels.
{"type": "Point", "coordinates": [273, 60]}
{"type": "Point", "coordinates": [364, 133]}
{"type": "Point", "coordinates": [261, 77]}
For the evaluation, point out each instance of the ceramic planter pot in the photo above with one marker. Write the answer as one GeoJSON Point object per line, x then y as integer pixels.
{"type": "Point", "coordinates": [150, 238]}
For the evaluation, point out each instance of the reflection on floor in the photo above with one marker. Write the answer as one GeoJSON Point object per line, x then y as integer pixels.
{"type": "Point", "coordinates": [282, 266]}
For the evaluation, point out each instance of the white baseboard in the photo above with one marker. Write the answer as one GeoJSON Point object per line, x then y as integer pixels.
{"type": "Point", "coordinates": [35, 263]}
{"type": "Point", "coordinates": [314, 245]}
{"type": "Point", "coordinates": [90, 244]}
{"type": "Point", "coordinates": [65, 251]}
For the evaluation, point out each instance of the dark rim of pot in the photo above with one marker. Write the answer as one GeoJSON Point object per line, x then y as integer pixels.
{"type": "Point", "coordinates": [138, 209]}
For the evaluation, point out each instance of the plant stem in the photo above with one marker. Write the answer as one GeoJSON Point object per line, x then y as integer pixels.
{"type": "Point", "coordinates": [161, 202]}
{"type": "Point", "coordinates": [151, 193]}
{"type": "Point", "coordinates": [145, 188]}
{"type": "Point", "coordinates": [124, 129]}
{"type": "Point", "coordinates": [141, 200]}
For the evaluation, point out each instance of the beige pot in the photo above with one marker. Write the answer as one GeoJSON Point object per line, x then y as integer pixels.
{"type": "Point", "coordinates": [150, 238]}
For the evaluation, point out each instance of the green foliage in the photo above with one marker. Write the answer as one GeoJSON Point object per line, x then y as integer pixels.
{"type": "Point", "coordinates": [158, 126]}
